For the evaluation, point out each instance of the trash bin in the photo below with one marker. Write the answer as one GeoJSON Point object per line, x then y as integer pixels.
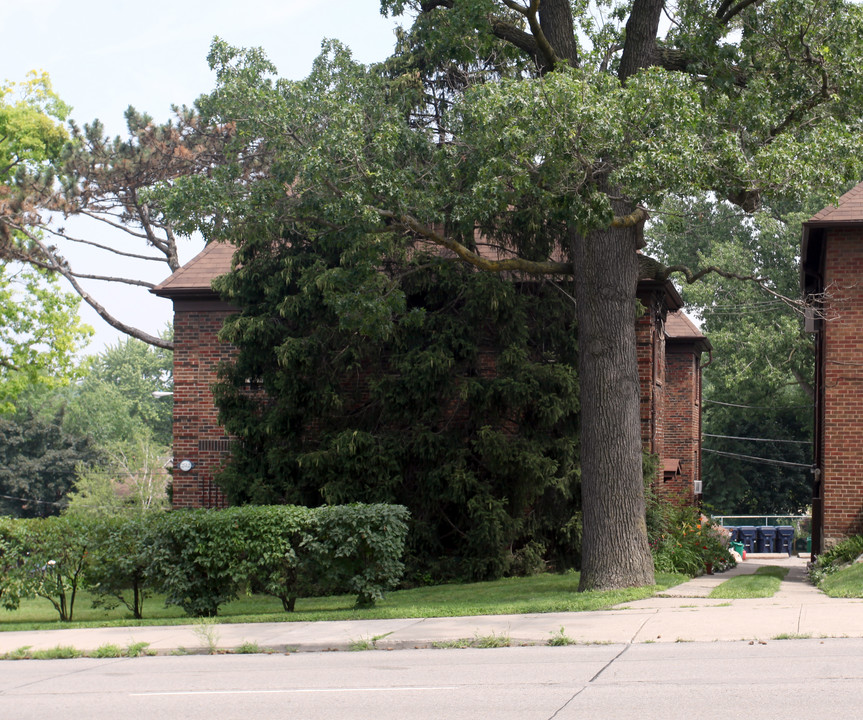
{"type": "Point", "coordinates": [737, 547]}
{"type": "Point", "coordinates": [733, 530]}
{"type": "Point", "coordinates": [766, 539]}
{"type": "Point", "coordinates": [785, 539]}
{"type": "Point", "coordinates": [746, 535]}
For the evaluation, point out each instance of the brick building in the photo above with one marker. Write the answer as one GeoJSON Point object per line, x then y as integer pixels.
{"type": "Point", "coordinates": [832, 278]}
{"type": "Point", "coordinates": [669, 353]}
{"type": "Point", "coordinates": [669, 350]}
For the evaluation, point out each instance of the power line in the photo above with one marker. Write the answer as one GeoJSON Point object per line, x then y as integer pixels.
{"type": "Point", "coordinates": [31, 500]}
{"type": "Point", "coordinates": [766, 461]}
{"type": "Point", "coordinates": [757, 407]}
{"type": "Point", "coordinates": [732, 437]}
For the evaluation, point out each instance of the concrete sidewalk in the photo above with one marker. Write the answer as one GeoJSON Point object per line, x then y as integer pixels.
{"type": "Point", "coordinates": [682, 613]}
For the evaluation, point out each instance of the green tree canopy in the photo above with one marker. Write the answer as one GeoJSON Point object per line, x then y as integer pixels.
{"type": "Point", "coordinates": [758, 382]}
{"type": "Point", "coordinates": [465, 410]}
{"type": "Point", "coordinates": [40, 331]}
{"type": "Point", "coordinates": [114, 403]}
{"type": "Point", "coordinates": [38, 461]}
{"type": "Point", "coordinates": [551, 130]}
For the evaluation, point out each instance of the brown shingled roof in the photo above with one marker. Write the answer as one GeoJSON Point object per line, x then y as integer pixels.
{"type": "Point", "coordinates": [196, 276]}
{"type": "Point", "coordinates": [681, 328]}
{"type": "Point", "coordinates": [848, 210]}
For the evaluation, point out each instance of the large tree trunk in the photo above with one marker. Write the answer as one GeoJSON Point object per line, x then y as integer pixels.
{"type": "Point", "coordinates": [615, 551]}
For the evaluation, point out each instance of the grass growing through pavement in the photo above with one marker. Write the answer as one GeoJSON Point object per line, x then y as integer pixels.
{"type": "Point", "coordinates": [844, 583]}
{"type": "Point", "coordinates": [535, 594]}
{"type": "Point", "coordinates": [763, 584]}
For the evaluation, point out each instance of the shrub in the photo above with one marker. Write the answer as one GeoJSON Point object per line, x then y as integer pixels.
{"type": "Point", "coordinates": [291, 552]}
{"type": "Point", "coordinates": [204, 558]}
{"type": "Point", "coordinates": [201, 559]}
{"type": "Point", "coordinates": [276, 557]}
{"type": "Point", "coordinates": [831, 560]}
{"type": "Point", "coordinates": [194, 560]}
{"type": "Point", "coordinates": [686, 542]}
{"type": "Point", "coordinates": [56, 559]}
{"type": "Point", "coordinates": [13, 580]}
{"type": "Point", "coordinates": [120, 559]}
{"type": "Point", "coordinates": [359, 548]}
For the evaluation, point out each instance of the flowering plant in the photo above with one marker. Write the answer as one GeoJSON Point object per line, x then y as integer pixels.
{"type": "Point", "coordinates": [689, 542]}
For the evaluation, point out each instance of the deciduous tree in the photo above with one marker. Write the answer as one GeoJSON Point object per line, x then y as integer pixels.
{"type": "Point", "coordinates": [551, 129]}
{"type": "Point", "coordinates": [40, 331]}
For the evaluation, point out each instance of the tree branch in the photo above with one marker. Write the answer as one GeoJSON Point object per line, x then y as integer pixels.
{"type": "Point", "coordinates": [652, 269]}
{"type": "Point", "coordinates": [642, 28]}
{"type": "Point", "coordinates": [516, 36]}
{"type": "Point", "coordinates": [531, 13]}
{"type": "Point", "coordinates": [636, 217]}
{"type": "Point", "coordinates": [56, 265]}
{"type": "Point", "coordinates": [724, 12]}
{"type": "Point", "coordinates": [107, 248]}
{"type": "Point", "coordinates": [509, 265]}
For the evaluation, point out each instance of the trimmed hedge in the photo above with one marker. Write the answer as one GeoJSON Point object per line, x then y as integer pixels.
{"type": "Point", "coordinates": [201, 559]}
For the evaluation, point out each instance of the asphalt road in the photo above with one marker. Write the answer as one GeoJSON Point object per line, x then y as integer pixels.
{"type": "Point", "coordinates": [729, 680]}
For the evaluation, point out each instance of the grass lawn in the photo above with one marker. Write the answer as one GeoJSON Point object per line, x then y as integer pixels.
{"type": "Point", "coordinates": [510, 596]}
{"type": "Point", "coordinates": [764, 583]}
{"type": "Point", "coordinates": [845, 583]}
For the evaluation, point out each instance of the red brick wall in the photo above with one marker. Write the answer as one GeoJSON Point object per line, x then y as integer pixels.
{"type": "Point", "coordinates": [198, 437]}
{"type": "Point", "coordinates": [649, 341]}
{"type": "Point", "coordinates": [683, 419]}
{"type": "Point", "coordinates": [842, 479]}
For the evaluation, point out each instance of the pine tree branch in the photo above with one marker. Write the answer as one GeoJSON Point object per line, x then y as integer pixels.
{"type": "Point", "coordinates": [60, 233]}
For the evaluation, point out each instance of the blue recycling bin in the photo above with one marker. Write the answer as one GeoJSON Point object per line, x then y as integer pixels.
{"type": "Point", "coordinates": [785, 539]}
{"type": "Point", "coordinates": [746, 535]}
{"type": "Point", "coordinates": [766, 539]}
{"type": "Point", "coordinates": [733, 530]}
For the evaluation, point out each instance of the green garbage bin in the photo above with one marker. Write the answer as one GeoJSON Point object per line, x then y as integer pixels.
{"type": "Point", "coordinates": [738, 547]}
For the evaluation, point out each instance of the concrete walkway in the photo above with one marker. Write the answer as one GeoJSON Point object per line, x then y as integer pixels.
{"type": "Point", "coordinates": [680, 614]}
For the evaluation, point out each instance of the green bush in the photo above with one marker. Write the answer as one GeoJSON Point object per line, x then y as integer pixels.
{"type": "Point", "coordinates": [684, 541]}
{"type": "Point", "coordinates": [359, 548]}
{"type": "Point", "coordinates": [204, 558]}
{"type": "Point", "coordinates": [194, 560]}
{"type": "Point", "coordinates": [276, 557]}
{"type": "Point", "coordinates": [831, 560]}
{"type": "Point", "coordinates": [291, 551]}
{"type": "Point", "coordinates": [201, 559]}
{"type": "Point", "coordinates": [13, 585]}
{"type": "Point", "coordinates": [57, 549]}
{"type": "Point", "coordinates": [120, 559]}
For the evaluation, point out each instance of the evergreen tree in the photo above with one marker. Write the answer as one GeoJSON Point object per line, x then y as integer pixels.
{"type": "Point", "coordinates": [464, 410]}
{"type": "Point", "coordinates": [38, 461]}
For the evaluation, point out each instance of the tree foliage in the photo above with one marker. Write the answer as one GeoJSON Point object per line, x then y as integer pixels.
{"type": "Point", "coordinates": [552, 133]}
{"type": "Point", "coordinates": [40, 331]}
{"type": "Point", "coordinates": [114, 403]}
{"type": "Point", "coordinates": [78, 187]}
{"type": "Point", "coordinates": [758, 382]}
{"type": "Point", "coordinates": [38, 461]}
{"type": "Point", "coordinates": [465, 411]}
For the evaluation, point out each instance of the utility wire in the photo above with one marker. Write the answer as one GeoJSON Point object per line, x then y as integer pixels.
{"type": "Point", "coordinates": [757, 407]}
{"type": "Point", "coordinates": [732, 437]}
{"type": "Point", "coordinates": [31, 500]}
{"type": "Point", "coordinates": [751, 458]}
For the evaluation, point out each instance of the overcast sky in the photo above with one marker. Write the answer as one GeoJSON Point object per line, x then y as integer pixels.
{"type": "Point", "coordinates": [104, 55]}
